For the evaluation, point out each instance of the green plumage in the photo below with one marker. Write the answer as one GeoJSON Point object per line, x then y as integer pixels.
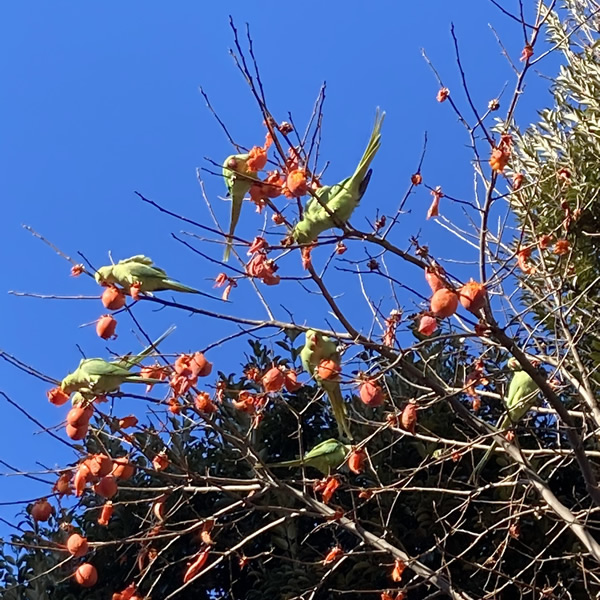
{"type": "Point", "coordinates": [140, 270]}
{"type": "Point", "coordinates": [325, 457]}
{"type": "Point", "coordinates": [522, 393]}
{"type": "Point", "coordinates": [98, 376]}
{"type": "Point", "coordinates": [341, 199]}
{"type": "Point", "coordinates": [318, 347]}
{"type": "Point", "coordinates": [234, 170]}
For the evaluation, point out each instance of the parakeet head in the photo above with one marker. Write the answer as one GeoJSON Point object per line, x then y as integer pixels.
{"type": "Point", "coordinates": [103, 274]}
{"type": "Point", "coordinates": [69, 384]}
{"type": "Point", "coordinates": [235, 163]}
{"type": "Point", "coordinates": [312, 338]}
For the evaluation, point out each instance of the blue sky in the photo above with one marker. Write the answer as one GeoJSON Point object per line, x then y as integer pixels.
{"type": "Point", "coordinates": [101, 99]}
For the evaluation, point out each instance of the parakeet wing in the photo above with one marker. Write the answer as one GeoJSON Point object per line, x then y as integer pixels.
{"type": "Point", "coordinates": [325, 456]}
{"type": "Point", "coordinates": [137, 271]}
{"type": "Point", "coordinates": [522, 392]}
{"type": "Point", "coordinates": [96, 367]}
{"type": "Point", "coordinates": [327, 447]}
{"type": "Point", "coordinates": [138, 258]}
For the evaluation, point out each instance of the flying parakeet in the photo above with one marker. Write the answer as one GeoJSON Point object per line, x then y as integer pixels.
{"type": "Point", "coordinates": [140, 271]}
{"type": "Point", "coordinates": [325, 457]}
{"type": "Point", "coordinates": [99, 376]}
{"type": "Point", "coordinates": [522, 392]}
{"type": "Point", "coordinates": [341, 199]}
{"type": "Point", "coordinates": [234, 169]}
{"type": "Point", "coordinates": [318, 347]}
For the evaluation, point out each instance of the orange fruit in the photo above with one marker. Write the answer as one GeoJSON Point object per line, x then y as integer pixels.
{"type": "Point", "coordinates": [77, 545]}
{"type": "Point", "coordinates": [472, 296]}
{"type": "Point", "coordinates": [99, 465]}
{"type": "Point", "coordinates": [122, 468]}
{"type": "Point", "coordinates": [328, 369]}
{"type": "Point", "coordinates": [356, 461]}
{"type": "Point", "coordinates": [76, 433]}
{"type": "Point", "coordinates": [107, 487]}
{"type": "Point", "coordinates": [432, 275]}
{"type": "Point", "coordinates": [57, 397]}
{"type": "Point", "coordinates": [41, 510]}
{"type": "Point", "coordinates": [371, 394]}
{"type": "Point", "coordinates": [105, 327]}
{"type": "Point", "coordinates": [86, 575]}
{"type": "Point", "coordinates": [79, 416]}
{"type": "Point", "coordinates": [273, 380]}
{"type": "Point", "coordinates": [444, 303]}
{"type": "Point", "coordinates": [113, 298]}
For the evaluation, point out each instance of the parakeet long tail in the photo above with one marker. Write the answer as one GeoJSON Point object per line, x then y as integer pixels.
{"type": "Point", "coordinates": [481, 464]}
{"type": "Point", "coordinates": [179, 287]}
{"type": "Point", "coordinates": [334, 393]}
{"type": "Point", "coordinates": [502, 425]}
{"type": "Point", "coordinates": [286, 463]}
{"type": "Point", "coordinates": [371, 150]}
{"type": "Point", "coordinates": [131, 361]}
{"type": "Point", "coordinates": [236, 209]}
{"type": "Point", "coordinates": [146, 380]}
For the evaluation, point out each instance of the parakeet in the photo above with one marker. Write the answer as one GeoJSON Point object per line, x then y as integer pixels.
{"type": "Point", "coordinates": [140, 271]}
{"type": "Point", "coordinates": [522, 392]}
{"type": "Point", "coordinates": [99, 376]}
{"type": "Point", "coordinates": [325, 457]}
{"type": "Point", "coordinates": [341, 199]}
{"type": "Point", "coordinates": [318, 347]}
{"type": "Point", "coordinates": [234, 169]}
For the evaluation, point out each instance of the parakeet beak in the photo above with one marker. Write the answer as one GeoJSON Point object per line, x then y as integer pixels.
{"type": "Point", "coordinates": [100, 278]}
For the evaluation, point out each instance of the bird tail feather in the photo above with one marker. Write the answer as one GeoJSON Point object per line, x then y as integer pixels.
{"type": "Point", "coordinates": [286, 463]}
{"type": "Point", "coordinates": [179, 287]}
{"type": "Point", "coordinates": [131, 361]}
{"type": "Point", "coordinates": [147, 380]}
{"type": "Point", "coordinates": [334, 393]}
{"type": "Point", "coordinates": [236, 209]}
{"type": "Point", "coordinates": [481, 464]}
{"type": "Point", "coordinates": [372, 148]}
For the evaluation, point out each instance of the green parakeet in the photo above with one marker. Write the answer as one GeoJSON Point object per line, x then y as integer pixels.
{"type": "Point", "coordinates": [325, 457]}
{"type": "Point", "coordinates": [99, 376]}
{"type": "Point", "coordinates": [234, 169]}
{"type": "Point", "coordinates": [341, 199]}
{"type": "Point", "coordinates": [140, 271]}
{"type": "Point", "coordinates": [522, 392]}
{"type": "Point", "coordinates": [318, 347]}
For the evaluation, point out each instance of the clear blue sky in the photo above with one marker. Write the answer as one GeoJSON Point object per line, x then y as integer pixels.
{"type": "Point", "coordinates": [100, 99]}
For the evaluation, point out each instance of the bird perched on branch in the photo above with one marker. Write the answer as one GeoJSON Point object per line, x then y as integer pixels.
{"type": "Point", "coordinates": [332, 205]}
{"type": "Point", "coordinates": [522, 393]}
{"type": "Point", "coordinates": [98, 376]}
{"type": "Point", "coordinates": [325, 457]}
{"type": "Point", "coordinates": [140, 274]}
{"type": "Point", "coordinates": [238, 179]}
{"type": "Point", "coordinates": [318, 348]}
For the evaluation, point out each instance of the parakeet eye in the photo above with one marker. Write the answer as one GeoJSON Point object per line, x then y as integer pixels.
{"type": "Point", "coordinates": [232, 164]}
